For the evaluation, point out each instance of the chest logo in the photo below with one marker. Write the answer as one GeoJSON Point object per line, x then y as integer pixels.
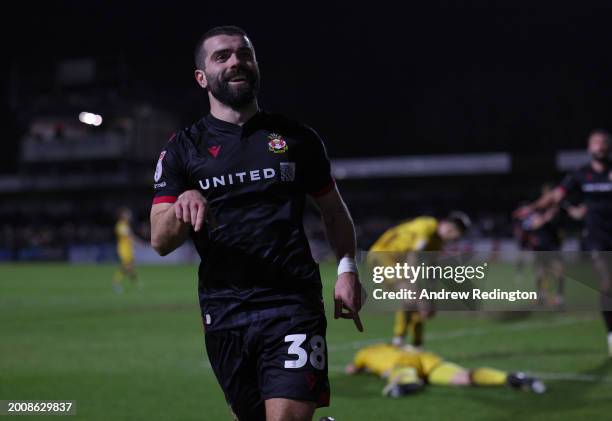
{"type": "Point", "coordinates": [214, 150]}
{"type": "Point", "coordinates": [277, 144]}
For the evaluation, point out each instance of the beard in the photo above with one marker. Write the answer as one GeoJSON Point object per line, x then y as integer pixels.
{"type": "Point", "coordinates": [600, 156]}
{"type": "Point", "coordinates": [235, 97]}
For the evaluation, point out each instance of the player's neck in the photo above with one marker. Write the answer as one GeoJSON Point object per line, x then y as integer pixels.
{"type": "Point", "coordinates": [599, 165]}
{"type": "Point", "coordinates": [230, 115]}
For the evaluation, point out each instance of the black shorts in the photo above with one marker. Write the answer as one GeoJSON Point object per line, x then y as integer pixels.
{"type": "Point", "coordinates": [283, 357]}
{"type": "Point", "coordinates": [598, 241]}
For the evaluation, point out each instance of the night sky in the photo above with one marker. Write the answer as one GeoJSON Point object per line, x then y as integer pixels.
{"type": "Point", "coordinates": [378, 80]}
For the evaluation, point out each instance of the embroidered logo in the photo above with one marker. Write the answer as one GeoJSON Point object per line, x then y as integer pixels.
{"type": "Point", "coordinates": [214, 150]}
{"type": "Point", "coordinates": [277, 144]}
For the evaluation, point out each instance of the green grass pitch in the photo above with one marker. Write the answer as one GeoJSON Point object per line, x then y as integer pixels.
{"type": "Point", "coordinates": [64, 334]}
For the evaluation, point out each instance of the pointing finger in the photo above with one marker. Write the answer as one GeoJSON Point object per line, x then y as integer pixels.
{"type": "Point", "coordinates": [355, 317]}
{"type": "Point", "coordinates": [357, 321]}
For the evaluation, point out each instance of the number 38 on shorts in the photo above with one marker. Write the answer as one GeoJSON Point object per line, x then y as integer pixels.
{"type": "Point", "coordinates": [303, 351]}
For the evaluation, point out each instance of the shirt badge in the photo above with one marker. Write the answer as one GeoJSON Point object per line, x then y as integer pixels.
{"type": "Point", "coordinates": [277, 144]}
{"type": "Point", "coordinates": [158, 167]}
{"type": "Point", "coordinates": [214, 150]}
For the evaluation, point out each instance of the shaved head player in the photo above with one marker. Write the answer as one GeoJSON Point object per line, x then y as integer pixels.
{"type": "Point", "coordinates": [236, 182]}
{"type": "Point", "coordinates": [593, 182]}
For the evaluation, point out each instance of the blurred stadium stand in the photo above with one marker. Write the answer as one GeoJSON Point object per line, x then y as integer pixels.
{"type": "Point", "coordinates": [70, 177]}
{"type": "Point", "coordinates": [73, 171]}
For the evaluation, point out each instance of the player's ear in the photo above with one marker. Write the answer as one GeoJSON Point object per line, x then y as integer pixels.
{"type": "Point", "coordinates": [200, 77]}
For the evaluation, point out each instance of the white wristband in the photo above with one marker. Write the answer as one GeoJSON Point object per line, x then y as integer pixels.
{"type": "Point", "coordinates": [347, 264]}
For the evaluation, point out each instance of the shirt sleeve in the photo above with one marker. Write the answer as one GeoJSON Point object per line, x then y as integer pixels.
{"type": "Point", "coordinates": [419, 232]}
{"type": "Point", "coordinates": [571, 183]}
{"type": "Point", "coordinates": [318, 179]}
{"type": "Point", "coordinates": [169, 178]}
{"type": "Point", "coordinates": [122, 230]}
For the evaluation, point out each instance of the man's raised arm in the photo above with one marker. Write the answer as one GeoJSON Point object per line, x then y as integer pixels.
{"type": "Point", "coordinates": [548, 199]}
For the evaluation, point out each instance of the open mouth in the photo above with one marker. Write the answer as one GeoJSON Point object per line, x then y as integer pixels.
{"type": "Point", "coordinates": [238, 79]}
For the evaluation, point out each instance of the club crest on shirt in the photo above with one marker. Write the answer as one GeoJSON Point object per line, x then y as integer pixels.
{"type": "Point", "coordinates": [158, 168]}
{"type": "Point", "coordinates": [277, 144]}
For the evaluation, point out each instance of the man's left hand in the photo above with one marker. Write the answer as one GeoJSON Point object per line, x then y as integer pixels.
{"type": "Point", "coordinates": [347, 298]}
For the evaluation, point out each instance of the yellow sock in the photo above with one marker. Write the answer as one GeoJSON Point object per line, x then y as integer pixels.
{"type": "Point", "coordinates": [118, 276]}
{"type": "Point", "coordinates": [416, 329]}
{"type": "Point", "coordinates": [485, 376]}
{"type": "Point", "coordinates": [400, 326]}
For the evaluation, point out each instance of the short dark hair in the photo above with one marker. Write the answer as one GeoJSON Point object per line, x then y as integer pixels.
{"type": "Point", "coordinates": [602, 132]}
{"type": "Point", "coordinates": [460, 220]}
{"type": "Point", "coordinates": [199, 54]}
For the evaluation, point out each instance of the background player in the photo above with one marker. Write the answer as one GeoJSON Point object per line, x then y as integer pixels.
{"type": "Point", "coordinates": [408, 370]}
{"type": "Point", "coordinates": [249, 173]}
{"type": "Point", "coordinates": [544, 238]}
{"type": "Point", "coordinates": [593, 182]}
{"type": "Point", "coordinates": [125, 250]}
{"type": "Point", "coordinates": [402, 243]}
{"type": "Point", "coordinates": [521, 236]}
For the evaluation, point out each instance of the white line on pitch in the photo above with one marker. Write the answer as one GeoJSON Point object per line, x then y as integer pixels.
{"type": "Point", "coordinates": [458, 333]}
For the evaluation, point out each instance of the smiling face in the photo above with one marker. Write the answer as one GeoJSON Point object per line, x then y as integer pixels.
{"type": "Point", "coordinates": [230, 72]}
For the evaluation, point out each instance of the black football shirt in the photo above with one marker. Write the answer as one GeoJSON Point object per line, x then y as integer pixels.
{"type": "Point", "coordinates": [595, 189]}
{"type": "Point", "coordinates": [546, 237]}
{"type": "Point", "coordinates": [255, 259]}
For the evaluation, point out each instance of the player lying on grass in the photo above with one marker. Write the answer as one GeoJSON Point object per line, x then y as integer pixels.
{"type": "Point", "coordinates": [408, 370]}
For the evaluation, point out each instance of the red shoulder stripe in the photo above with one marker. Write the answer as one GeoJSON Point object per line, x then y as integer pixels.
{"type": "Point", "coordinates": [164, 199]}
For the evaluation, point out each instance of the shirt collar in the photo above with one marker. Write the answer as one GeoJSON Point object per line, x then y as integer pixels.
{"type": "Point", "coordinates": [231, 127]}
